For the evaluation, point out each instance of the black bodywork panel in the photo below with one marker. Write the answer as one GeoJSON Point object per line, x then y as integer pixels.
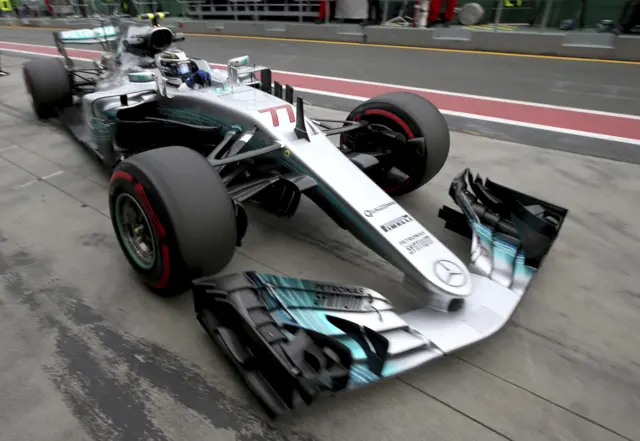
{"type": "Point", "coordinates": [531, 223]}
{"type": "Point", "coordinates": [293, 340]}
{"type": "Point", "coordinates": [281, 364]}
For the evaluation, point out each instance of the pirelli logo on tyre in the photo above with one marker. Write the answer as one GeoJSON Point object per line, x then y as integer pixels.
{"type": "Point", "coordinates": [396, 223]}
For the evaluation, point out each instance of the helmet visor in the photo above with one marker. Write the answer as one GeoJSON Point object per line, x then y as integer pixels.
{"type": "Point", "coordinates": [182, 68]}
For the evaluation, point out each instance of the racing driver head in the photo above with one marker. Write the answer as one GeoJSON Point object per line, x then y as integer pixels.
{"type": "Point", "coordinates": [174, 65]}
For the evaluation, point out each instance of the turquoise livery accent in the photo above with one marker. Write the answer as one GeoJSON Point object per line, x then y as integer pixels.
{"type": "Point", "coordinates": [141, 77]}
{"type": "Point", "coordinates": [522, 273]}
{"type": "Point", "coordinates": [485, 234]}
{"type": "Point", "coordinates": [503, 251]}
{"type": "Point", "coordinates": [95, 35]}
{"type": "Point", "coordinates": [100, 129]}
{"type": "Point", "coordinates": [502, 254]}
{"type": "Point", "coordinates": [302, 303]}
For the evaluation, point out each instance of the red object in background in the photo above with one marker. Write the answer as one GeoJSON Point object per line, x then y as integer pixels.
{"type": "Point", "coordinates": [327, 10]}
{"type": "Point", "coordinates": [436, 6]}
{"type": "Point", "coordinates": [322, 13]}
{"type": "Point", "coordinates": [617, 126]}
{"type": "Point", "coordinates": [49, 7]}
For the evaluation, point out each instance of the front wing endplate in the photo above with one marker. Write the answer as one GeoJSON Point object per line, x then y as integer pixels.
{"type": "Point", "coordinates": [294, 340]}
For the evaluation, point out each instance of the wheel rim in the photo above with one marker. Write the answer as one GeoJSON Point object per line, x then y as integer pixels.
{"type": "Point", "coordinates": [388, 157]}
{"type": "Point", "coordinates": [135, 231]}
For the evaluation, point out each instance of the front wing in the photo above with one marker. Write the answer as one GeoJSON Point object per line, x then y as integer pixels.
{"type": "Point", "coordinates": [293, 340]}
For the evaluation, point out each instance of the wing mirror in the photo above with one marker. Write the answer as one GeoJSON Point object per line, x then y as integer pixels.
{"type": "Point", "coordinates": [148, 77]}
{"type": "Point", "coordinates": [233, 65]}
{"type": "Point", "coordinates": [238, 61]}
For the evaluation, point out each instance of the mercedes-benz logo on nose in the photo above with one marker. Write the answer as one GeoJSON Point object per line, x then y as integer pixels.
{"type": "Point", "coordinates": [450, 273]}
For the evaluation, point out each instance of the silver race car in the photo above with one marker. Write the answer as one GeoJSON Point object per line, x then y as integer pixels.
{"type": "Point", "coordinates": [190, 146]}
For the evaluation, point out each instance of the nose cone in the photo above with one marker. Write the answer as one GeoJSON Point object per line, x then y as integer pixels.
{"type": "Point", "coordinates": [451, 274]}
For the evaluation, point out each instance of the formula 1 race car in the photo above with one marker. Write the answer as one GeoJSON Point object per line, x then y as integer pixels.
{"type": "Point", "coordinates": [187, 160]}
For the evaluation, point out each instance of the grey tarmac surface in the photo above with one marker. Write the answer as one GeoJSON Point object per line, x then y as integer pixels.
{"type": "Point", "coordinates": [492, 75]}
{"type": "Point", "coordinates": [88, 354]}
{"type": "Point", "coordinates": [617, 151]}
{"type": "Point", "coordinates": [583, 84]}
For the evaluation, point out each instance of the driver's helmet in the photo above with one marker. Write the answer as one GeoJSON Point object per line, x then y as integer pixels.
{"type": "Point", "coordinates": [174, 65]}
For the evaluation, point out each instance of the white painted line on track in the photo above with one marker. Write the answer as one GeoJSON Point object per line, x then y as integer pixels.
{"type": "Point", "coordinates": [494, 120]}
{"type": "Point", "coordinates": [560, 130]}
{"type": "Point", "coordinates": [39, 54]}
{"type": "Point", "coordinates": [6, 149]}
{"type": "Point", "coordinates": [464, 95]}
{"type": "Point", "coordinates": [373, 83]}
{"type": "Point", "coordinates": [58, 173]}
{"type": "Point", "coordinates": [43, 178]}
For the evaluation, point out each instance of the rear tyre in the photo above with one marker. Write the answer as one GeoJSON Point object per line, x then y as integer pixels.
{"type": "Point", "coordinates": [173, 217]}
{"type": "Point", "coordinates": [413, 117]}
{"type": "Point", "coordinates": [49, 85]}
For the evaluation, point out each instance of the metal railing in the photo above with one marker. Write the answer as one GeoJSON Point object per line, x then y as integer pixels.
{"type": "Point", "coordinates": [107, 7]}
{"type": "Point", "coordinates": [495, 15]}
{"type": "Point", "coordinates": [256, 10]}
{"type": "Point", "coordinates": [193, 8]}
{"type": "Point", "coordinates": [499, 15]}
{"type": "Point", "coordinates": [532, 7]}
{"type": "Point", "coordinates": [59, 8]}
{"type": "Point", "coordinates": [144, 6]}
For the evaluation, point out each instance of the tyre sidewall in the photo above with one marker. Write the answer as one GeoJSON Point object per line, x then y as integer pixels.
{"type": "Point", "coordinates": [419, 116]}
{"type": "Point", "coordinates": [42, 111]}
{"type": "Point", "coordinates": [59, 95]}
{"type": "Point", "coordinates": [168, 271]}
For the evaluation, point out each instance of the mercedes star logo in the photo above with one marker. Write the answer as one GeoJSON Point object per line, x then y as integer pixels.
{"type": "Point", "coordinates": [450, 273]}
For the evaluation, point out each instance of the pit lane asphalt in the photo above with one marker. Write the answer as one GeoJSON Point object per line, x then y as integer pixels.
{"type": "Point", "coordinates": [582, 84]}
{"type": "Point", "coordinates": [592, 85]}
{"type": "Point", "coordinates": [88, 354]}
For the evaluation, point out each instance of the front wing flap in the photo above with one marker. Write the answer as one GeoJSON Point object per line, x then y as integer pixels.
{"type": "Point", "coordinates": [511, 232]}
{"type": "Point", "coordinates": [294, 340]}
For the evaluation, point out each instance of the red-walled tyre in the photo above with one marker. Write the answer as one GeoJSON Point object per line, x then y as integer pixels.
{"type": "Point", "coordinates": [408, 166]}
{"type": "Point", "coordinates": [173, 217]}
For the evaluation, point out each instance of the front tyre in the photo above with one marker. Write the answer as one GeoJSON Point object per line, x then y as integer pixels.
{"type": "Point", "coordinates": [173, 217]}
{"type": "Point", "coordinates": [423, 133]}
